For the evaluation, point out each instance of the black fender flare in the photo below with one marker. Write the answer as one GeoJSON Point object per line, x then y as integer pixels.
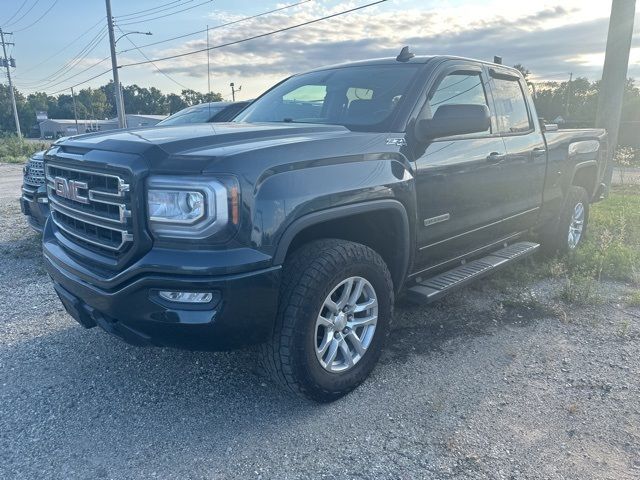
{"type": "Point", "coordinates": [342, 211]}
{"type": "Point", "coordinates": [583, 165]}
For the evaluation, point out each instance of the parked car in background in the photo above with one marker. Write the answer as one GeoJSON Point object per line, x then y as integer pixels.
{"type": "Point", "coordinates": [206, 113]}
{"type": "Point", "coordinates": [34, 202]}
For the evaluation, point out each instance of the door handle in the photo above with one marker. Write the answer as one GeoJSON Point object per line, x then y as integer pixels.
{"type": "Point", "coordinates": [495, 157]}
{"type": "Point", "coordinates": [538, 152]}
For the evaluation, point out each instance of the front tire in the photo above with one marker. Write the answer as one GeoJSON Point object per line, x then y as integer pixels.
{"type": "Point", "coordinates": [334, 314]}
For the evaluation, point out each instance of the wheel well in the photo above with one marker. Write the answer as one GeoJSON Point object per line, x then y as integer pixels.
{"type": "Point", "coordinates": [585, 177]}
{"type": "Point", "coordinates": [382, 231]}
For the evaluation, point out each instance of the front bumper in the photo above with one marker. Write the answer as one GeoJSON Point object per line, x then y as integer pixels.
{"type": "Point", "coordinates": [132, 310]}
{"type": "Point", "coordinates": [34, 204]}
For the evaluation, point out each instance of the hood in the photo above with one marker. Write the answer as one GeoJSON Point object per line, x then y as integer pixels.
{"type": "Point", "coordinates": [194, 139]}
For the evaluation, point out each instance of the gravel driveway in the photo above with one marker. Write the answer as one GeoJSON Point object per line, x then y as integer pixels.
{"type": "Point", "coordinates": [481, 385]}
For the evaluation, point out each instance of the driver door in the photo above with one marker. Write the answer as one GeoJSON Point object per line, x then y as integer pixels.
{"type": "Point", "coordinates": [459, 180]}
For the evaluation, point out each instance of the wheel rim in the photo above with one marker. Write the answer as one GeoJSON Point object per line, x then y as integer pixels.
{"type": "Point", "coordinates": [346, 324]}
{"type": "Point", "coordinates": [576, 226]}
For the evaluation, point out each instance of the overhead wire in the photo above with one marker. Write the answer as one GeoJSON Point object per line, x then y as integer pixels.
{"type": "Point", "coordinates": [156, 11]}
{"type": "Point", "coordinates": [63, 49]}
{"type": "Point", "coordinates": [16, 12]}
{"type": "Point", "coordinates": [254, 37]}
{"type": "Point", "coordinates": [216, 27]}
{"type": "Point", "coordinates": [155, 66]}
{"type": "Point", "coordinates": [72, 63]}
{"type": "Point", "coordinates": [23, 15]}
{"type": "Point", "coordinates": [39, 18]}
{"type": "Point", "coordinates": [148, 9]}
{"type": "Point", "coordinates": [165, 15]}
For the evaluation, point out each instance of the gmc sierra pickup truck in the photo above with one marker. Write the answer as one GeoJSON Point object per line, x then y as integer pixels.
{"type": "Point", "coordinates": [295, 226]}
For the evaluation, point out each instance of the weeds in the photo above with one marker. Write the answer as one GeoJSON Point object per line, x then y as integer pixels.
{"type": "Point", "coordinates": [14, 150]}
{"type": "Point", "coordinates": [633, 299]}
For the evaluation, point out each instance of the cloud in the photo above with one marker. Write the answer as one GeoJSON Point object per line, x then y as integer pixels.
{"type": "Point", "coordinates": [549, 41]}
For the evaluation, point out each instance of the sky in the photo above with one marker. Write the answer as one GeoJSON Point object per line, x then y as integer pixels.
{"type": "Point", "coordinates": [68, 45]}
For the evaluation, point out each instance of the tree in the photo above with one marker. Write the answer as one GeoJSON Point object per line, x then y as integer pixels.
{"type": "Point", "coordinates": [525, 72]}
{"type": "Point", "coordinates": [175, 103]}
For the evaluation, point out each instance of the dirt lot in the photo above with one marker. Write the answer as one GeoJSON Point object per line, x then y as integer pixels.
{"type": "Point", "coordinates": [502, 380]}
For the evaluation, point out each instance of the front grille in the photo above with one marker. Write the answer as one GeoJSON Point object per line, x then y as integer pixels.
{"type": "Point", "coordinates": [90, 208]}
{"type": "Point", "coordinates": [34, 172]}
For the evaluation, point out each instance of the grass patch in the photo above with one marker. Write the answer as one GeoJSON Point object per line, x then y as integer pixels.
{"type": "Point", "coordinates": [612, 246]}
{"type": "Point", "coordinates": [633, 299]}
{"type": "Point", "coordinates": [14, 150]}
{"type": "Point", "coordinates": [611, 250]}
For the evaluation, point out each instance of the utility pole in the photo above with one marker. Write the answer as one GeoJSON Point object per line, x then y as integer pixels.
{"type": "Point", "coordinates": [75, 111]}
{"type": "Point", "coordinates": [614, 74]}
{"type": "Point", "coordinates": [13, 96]}
{"type": "Point", "coordinates": [566, 103]}
{"type": "Point", "coordinates": [234, 90]}
{"type": "Point", "coordinates": [208, 65]}
{"type": "Point", "coordinates": [114, 66]}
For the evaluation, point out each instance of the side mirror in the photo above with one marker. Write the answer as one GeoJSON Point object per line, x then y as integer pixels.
{"type": "Point", "coordinates": [454, 119]}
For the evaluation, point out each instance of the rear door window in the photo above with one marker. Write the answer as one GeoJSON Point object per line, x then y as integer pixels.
{"type": "Point", "coordinates": [511, 107]}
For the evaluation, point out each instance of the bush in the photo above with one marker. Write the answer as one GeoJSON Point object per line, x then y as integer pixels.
{"type": "Point", "coordinates": [14, 150]}
{"type": "Point", "coordinates": [627, 157]}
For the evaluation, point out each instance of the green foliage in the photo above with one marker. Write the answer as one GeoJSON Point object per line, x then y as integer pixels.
{"type": "Point", "coordinates": [633, 299]}
{"type": "Point", "coordinates": [14, 150]}
{"type": "Point", "coordinates": [577, 101]}
{"type": "Point", "coordinates": [93, 103]}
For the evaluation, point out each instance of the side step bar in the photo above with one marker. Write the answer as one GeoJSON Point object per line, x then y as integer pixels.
{"type": "Point", "coordinates": [434, 288]}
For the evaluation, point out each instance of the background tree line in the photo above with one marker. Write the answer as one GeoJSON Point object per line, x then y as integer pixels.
{"type": "Point", "coordinates": [95, 103]}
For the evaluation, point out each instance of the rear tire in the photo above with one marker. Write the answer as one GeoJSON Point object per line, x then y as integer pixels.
{"type": "Point", "coordinates": [313, 351]}
{"type": "Point", "coordinates": [569, 231]}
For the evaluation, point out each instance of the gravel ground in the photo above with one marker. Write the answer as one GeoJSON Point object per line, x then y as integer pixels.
{"type": "Point", "coordinates": [481, 385]}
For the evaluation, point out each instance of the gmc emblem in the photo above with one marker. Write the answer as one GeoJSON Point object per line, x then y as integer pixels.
{"type": "Point", "coordinates": [70, 189]}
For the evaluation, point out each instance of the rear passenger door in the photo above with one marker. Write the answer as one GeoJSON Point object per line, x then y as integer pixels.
{"type": "Point", "coordinates": [523, 169]}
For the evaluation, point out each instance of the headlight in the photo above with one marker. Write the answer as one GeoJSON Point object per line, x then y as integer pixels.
{"type": "Point", "coordinates": [175, 206]}
{"type": "Point", "coordinates": [188, 207]}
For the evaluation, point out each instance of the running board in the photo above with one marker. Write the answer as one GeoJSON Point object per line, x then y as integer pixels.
{"type": "Point", "coordinates": [434, 288]}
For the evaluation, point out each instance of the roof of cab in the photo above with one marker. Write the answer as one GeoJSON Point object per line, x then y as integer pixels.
{"type": "Point", "coordinates": [418, 59]}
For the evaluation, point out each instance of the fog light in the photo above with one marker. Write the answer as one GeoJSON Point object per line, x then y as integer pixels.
{"type": "Point", "coordinates": [187, 297]}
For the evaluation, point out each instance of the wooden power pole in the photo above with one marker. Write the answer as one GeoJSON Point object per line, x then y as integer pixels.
{"type": "Point", "coordinates": [614, 74]}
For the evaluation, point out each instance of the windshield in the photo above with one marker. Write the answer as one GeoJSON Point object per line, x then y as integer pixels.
{"type": "Point", "coordinates": [358, 97]}
{"type": "Point", "coordinates": [195, 114]}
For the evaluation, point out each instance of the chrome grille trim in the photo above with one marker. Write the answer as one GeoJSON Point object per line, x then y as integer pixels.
{"type": "Point", "coordinates": [126, 236]}
{"type": "Point", "coordinates": [34, 172]}
{"type": "Point", "coordinates": [84, 220]}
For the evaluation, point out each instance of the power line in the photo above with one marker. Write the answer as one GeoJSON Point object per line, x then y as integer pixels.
{"type": "Point", "coordinates": [16, 12]}
{"type": "Point", "coordinates": [165, 15]}
{"type": "Point", "coordinates": [156, 67]}
{"type": "Point", "coordinates": [63, 49]}
{"type": "Point", "coordinates": [216, 27]}
{"type": "Point", "coordinates": [39, 18]}
{"type": "Point", "coordinates": [82, 82]}
{"type": "Point", "coordinates": [84, 53]}
{"type": "Point", "coordinates": [23, 15]}
{"type": "Point", "coordinates": [75, 75]}
{"type": "Point", "coordinates": [262, 35]}
{"type": "Point", "coordinates": [156, 10]}
{"type": "Point", "coordinates": [148, 9]}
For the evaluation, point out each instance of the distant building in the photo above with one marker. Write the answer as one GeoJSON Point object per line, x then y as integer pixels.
{"type": "Point", "coordinates": [55, 128]}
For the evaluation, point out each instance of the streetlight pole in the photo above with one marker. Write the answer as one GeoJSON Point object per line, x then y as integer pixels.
{"type": "Point", "coordinates": [122, 122]}
{"type": "Point", "coordinates": [234, 90]}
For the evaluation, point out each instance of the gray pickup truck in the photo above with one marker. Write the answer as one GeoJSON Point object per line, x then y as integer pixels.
{"type": "Point", "coordinates": [295, 226]}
